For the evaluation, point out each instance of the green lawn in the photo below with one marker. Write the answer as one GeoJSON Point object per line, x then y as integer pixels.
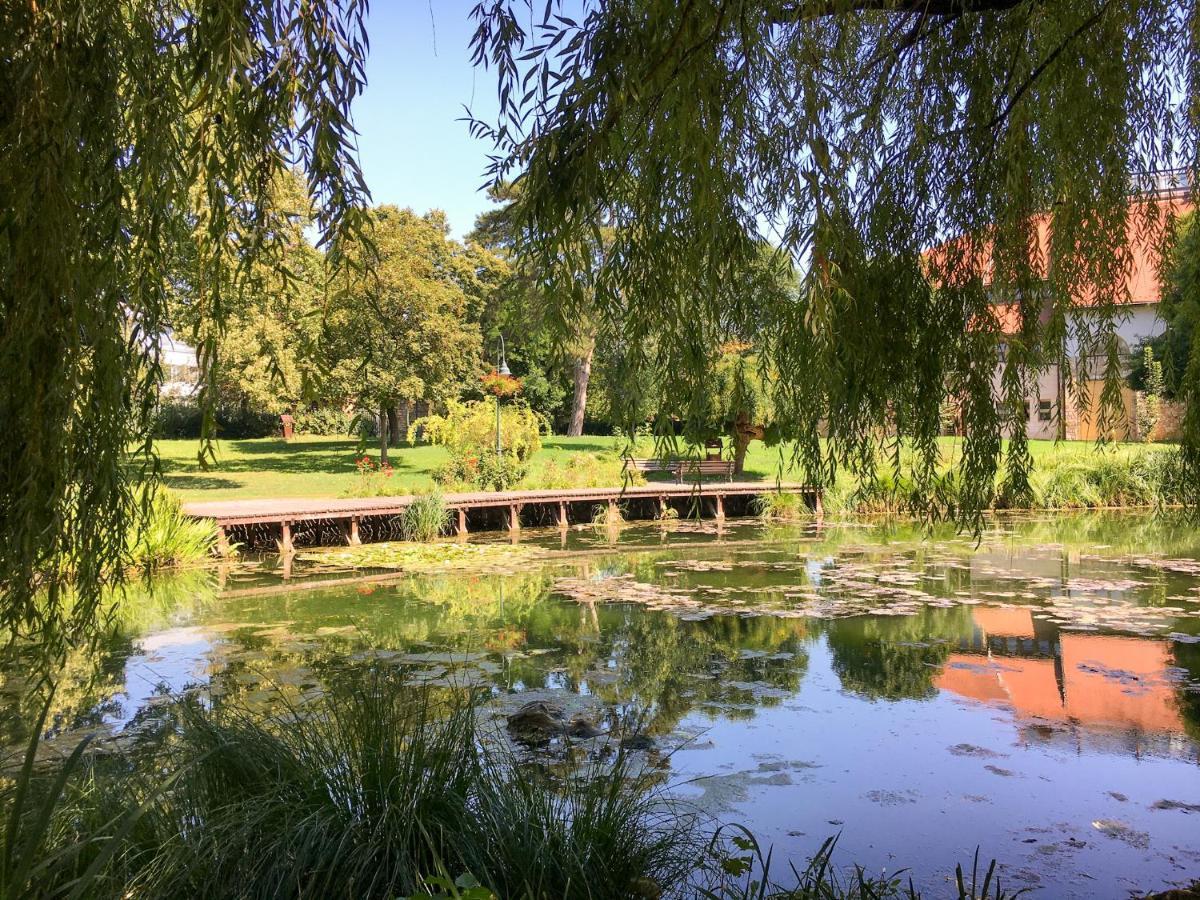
{"type": "Point", "coordinates": [324, 467]}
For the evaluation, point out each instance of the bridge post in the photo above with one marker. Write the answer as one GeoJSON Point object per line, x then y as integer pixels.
{"type": "Point", "coordinates": [462, 522]}
{"type": "Point", "coordinates": [222, 541]}
{"type": "Point", "coordinates": [514, 517]}
{"type": "Point", "coordinates": [286, 547]}
{"type": "Point", "coordinates": [562, 514]}
{"type": "Point", "coordinates": [612, 512]}
{"type": "Point", "coordinates": [662, 507]}
{"type": "Point", "coordinates": [350, 532]}
{"type": "Point", "coordinates": [720, 507]}
{"type": "Point", "coordinates": [818, 506]}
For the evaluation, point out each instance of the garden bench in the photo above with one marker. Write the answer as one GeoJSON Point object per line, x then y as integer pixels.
{"type": "Point", "coordinates": [704, 468]}
{"type": "Point", "coordinates": [650, 465]}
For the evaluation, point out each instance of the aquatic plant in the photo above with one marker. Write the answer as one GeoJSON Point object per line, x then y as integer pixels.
{"type": "Point", "coordinates": [365, 792]}
{"type": "Point", "coordinates": [375, 790]}
{"type": "Point", "coordinates": [607, 515]}
{"type": "Point", "coordinates": [780, 506]}
{"type": "Point", "coordinates": [425, 518]}
{"type": "Point", "coordinates": [740, 869]}
{"type": "Point", "coordinates": [166, 537]}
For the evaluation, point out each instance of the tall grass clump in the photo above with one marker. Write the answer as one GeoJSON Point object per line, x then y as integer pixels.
{"type": "Point", "coordinates": [166, 537]}
{"type": "Point", "coordinates": [425, 518]}
{"type": "Point", "coordinates": [780, 507]}
{"type": "Point", "coordinates": [607, 516]}
{"type": "Point", "coordinates": [373, 790]}
{"type": "Point", "coordinates": [603, 831]}
{"type": "Point", "coordinates": [359, 795]}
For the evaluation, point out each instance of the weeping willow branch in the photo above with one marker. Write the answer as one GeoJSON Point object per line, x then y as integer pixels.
{"type": "Point", "coordinates": [944, 176]}
{"type": "Point", "coordinates": [130, 130]}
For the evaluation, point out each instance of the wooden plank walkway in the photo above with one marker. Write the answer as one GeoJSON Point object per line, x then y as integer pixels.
{"type": "Point", "coordinates": [349, 512]}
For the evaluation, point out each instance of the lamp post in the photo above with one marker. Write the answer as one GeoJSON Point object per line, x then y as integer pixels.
{"type": "Point", "coordinates": [502, 370]}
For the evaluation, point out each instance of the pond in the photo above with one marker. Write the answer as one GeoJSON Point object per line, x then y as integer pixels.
{"type": "Point", "coordinates": [1035, 693]}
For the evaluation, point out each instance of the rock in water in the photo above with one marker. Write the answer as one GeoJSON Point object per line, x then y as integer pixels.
{"type": "Point", "coordinates": [537, 721]}
{"type": "Point", "coordinates": [638, 742]}
{"type": "Point", "coordinates": [581, 727]}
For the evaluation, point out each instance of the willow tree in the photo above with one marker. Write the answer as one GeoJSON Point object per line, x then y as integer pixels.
{"type": "Point", "coordinates": [127, 127]}
{"type": "Point", "coordinates": [906, 155]}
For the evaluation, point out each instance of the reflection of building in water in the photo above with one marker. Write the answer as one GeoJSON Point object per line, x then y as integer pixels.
{"type": "Point", "coordinates": [1128, 683]}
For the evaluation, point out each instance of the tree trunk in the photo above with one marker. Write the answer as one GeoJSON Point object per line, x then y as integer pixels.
{"type": "Point", "coordinates": [395, 433]}
{"type": "Point", "coordinates": [383, 436]}
{"type": "Point", "coordinates": [583, 373]}
{"type": "Point", "coordinates": [742, 433]}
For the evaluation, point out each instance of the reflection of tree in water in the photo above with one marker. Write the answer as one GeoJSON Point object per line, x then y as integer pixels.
{"type": "Point", "coordinates": [898, 657]}
{"type": "Point", "coordinates": [668, 667]}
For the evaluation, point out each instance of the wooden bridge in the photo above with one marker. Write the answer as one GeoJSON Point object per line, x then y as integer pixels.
{"type": "Point", "coordinates": [316, 522]}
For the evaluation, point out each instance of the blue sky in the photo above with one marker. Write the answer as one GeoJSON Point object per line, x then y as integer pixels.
{"type": "Point", "coordinates": [413, 149]}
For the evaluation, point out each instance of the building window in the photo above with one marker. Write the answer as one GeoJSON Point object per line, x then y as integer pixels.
{"type": "Point", "coordinates": [1044, 411]}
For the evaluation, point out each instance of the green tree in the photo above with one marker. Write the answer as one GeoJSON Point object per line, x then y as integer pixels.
{"type": "Point", "coordinates": [267, 355]}
{"type": "Point", "coordinates": [869, 138]}
{"type": "Point", "coordinates": [1179, 310]}
{"type": "Point", "coordinates": [409, 329]}
{"type": "Point", "coordinates": [556, 351]}
{"type": "Point", "coordinates": [115, 115]}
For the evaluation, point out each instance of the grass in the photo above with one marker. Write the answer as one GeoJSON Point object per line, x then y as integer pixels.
{"type": "Point", "coordinates": [325, 467]}
{"type": "Point", "coordinates": [369, 791]}
{"type": "Point", "coordinates": [425, 518]}
{"type": "Point", "coordinates": [167, 538]}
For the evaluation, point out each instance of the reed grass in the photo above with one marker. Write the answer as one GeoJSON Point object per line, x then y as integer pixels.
{"type": "Point", "coordinates": [166, 537]}
{"type": "Point", "coordinates": [607, 516]}
{"type": "Point", "coordinates": [1115, 477]}
{"type": "Point", "coordinates": [780, 507]}
{"type": "Point", "coordinates": [425, 518]}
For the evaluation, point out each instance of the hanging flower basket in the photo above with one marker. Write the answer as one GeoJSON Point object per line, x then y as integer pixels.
{"type": "Point", "coordinates": [501, 385]}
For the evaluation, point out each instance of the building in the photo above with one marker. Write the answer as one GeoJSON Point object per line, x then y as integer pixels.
{"type": "Point", "coordinates": [1140, 319]}
{"type": "Point", "coordinates": [181, 371]}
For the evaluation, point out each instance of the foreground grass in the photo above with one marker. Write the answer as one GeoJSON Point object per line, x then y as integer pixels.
{"type": "Point", "coordinates": [325, 467]}
{"type": "Point", "coordinates": [372, 790]}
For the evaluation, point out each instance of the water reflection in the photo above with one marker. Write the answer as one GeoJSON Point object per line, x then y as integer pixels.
{"type": "Point", "coordinates": [1058, 651]}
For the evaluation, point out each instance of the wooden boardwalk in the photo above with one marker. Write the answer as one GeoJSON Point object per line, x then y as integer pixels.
{"type": "Point", "coordinates": [347, 517]}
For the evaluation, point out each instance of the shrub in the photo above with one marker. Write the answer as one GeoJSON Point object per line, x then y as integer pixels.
{"type": "Point", "coordinates": [183, 419]}
{"type": "Point", "coordinates": [325, 420]}
{"type": "Point", "coordinates": [486, 471]}
{"type": "Point", "coordinates": [469, 429]}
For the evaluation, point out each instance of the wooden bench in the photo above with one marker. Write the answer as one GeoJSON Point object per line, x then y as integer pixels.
{"type": "Point", "coordinates": [650, 465]}
{"type": "Point", "coordinates": [722, 468]}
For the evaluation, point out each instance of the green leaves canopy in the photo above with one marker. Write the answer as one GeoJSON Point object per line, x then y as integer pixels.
{"type": "Point", "coordinates": [858, 135]}
{"type": "Point", "coordinates": [408, 328]}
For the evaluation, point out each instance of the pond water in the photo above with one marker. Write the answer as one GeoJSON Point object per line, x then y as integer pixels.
{"type": "Point", "coordinates": [1035, 694]}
